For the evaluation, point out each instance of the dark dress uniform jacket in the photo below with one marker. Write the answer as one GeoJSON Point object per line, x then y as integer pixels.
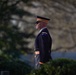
{"type": "Point", "coordinates": [43, 44]}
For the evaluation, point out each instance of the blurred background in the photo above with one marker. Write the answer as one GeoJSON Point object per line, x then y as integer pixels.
{"type": "Point", "coordinates": [17, 25]}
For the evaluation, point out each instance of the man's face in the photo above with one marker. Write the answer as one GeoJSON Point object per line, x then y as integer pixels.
{"type": "Point", "coordinates": [38, 24]}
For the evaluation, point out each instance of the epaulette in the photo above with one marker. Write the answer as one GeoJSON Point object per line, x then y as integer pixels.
{"type": "Point", "coordinates": [44, 33]}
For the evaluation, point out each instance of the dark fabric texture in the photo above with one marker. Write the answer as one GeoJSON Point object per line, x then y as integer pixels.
{"type": "Point", "coordinates": [43, 43]}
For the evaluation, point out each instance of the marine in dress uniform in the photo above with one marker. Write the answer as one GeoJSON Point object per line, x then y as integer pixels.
{"type": "Point", "coordinates": [43, 42]}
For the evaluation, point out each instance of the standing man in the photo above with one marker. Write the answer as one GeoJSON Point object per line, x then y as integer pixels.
{"type": "Point", "coordinates": [43, 42]}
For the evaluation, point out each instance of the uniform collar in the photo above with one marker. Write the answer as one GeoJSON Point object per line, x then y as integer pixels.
{"type": "Point", "coordinates": [42, 29]}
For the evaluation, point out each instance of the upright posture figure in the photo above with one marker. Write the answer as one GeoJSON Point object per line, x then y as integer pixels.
{"type": "Point", "coordinates": [43, 42]}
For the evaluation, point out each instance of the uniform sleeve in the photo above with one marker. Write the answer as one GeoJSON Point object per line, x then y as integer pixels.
{"type": "Point", "coordinates": [44, 46]}
{"type": "Point", "coordinates": [45, 40]}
